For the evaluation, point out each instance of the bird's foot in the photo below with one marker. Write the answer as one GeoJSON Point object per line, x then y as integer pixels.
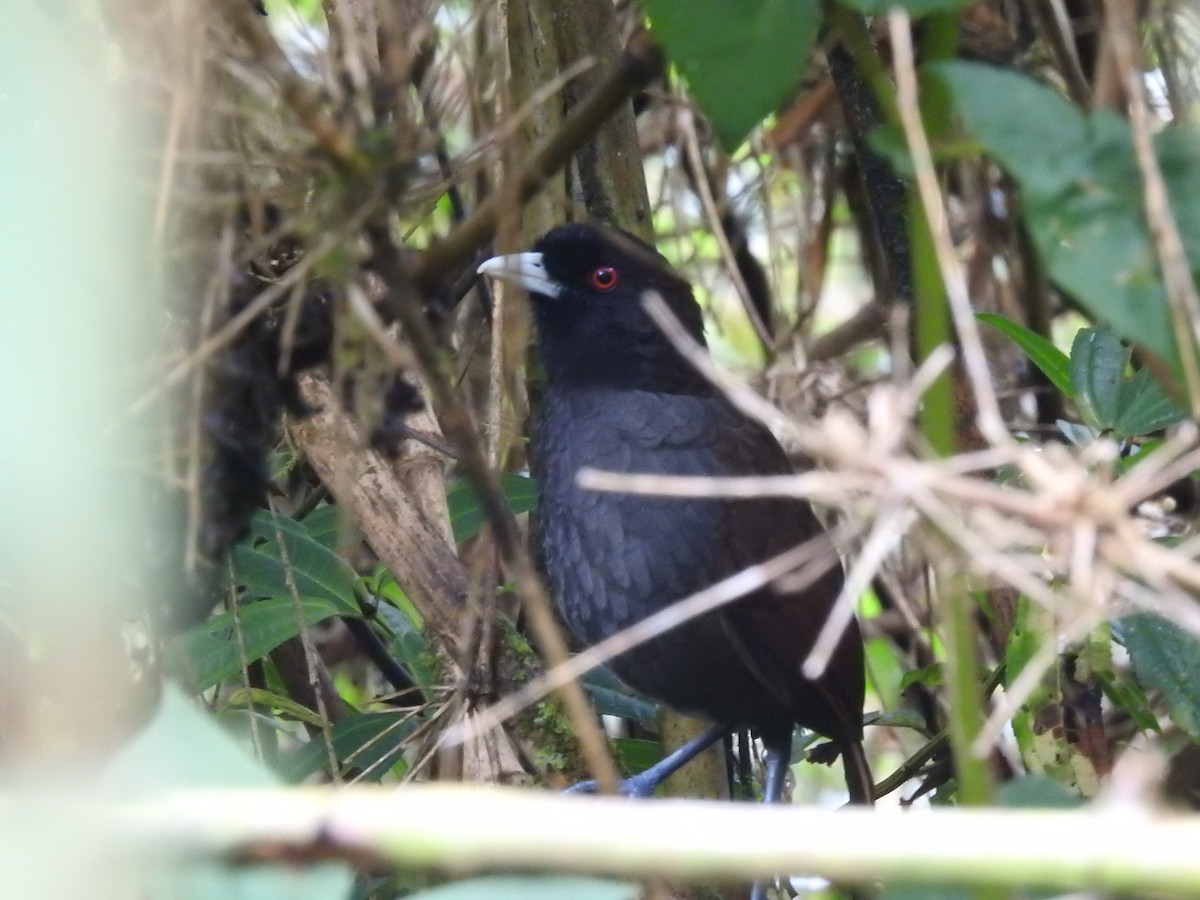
{"type": "Point", "coordinates": [639, 786]}
{"type": "Point", "coordinates": [644, 784]}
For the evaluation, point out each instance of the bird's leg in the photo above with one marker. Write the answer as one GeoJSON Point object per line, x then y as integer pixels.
{"type": "Point", "coordinates": [645, 783]}
{"type": "Point", "coordinates": [777, 751]}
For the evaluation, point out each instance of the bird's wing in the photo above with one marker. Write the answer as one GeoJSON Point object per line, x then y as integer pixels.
{"type": "Point", "coordinates": [775, 628]}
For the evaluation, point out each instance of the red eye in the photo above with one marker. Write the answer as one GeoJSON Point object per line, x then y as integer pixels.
{"type": "Point", "coordinates": [603, 278]}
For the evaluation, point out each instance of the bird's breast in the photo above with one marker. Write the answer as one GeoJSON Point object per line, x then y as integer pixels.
{"type": "Point", "coordinates": [614, 558]}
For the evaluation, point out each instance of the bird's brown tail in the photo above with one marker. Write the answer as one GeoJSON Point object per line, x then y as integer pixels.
{"type": "Point", "coordinates": [858, 774]}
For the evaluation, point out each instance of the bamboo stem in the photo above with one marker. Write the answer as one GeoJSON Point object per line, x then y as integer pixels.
{"type": "Point", "coordinates": [462, 828]}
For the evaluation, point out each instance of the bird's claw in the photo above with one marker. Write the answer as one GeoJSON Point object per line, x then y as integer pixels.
{"type": "Point", "coordinates": [638, 787]}
{"type": "Point", "coordinates": [583, 787]}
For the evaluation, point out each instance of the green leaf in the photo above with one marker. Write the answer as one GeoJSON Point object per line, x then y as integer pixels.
{"type": "Point", "coordinates": [1037, 133]}
{"type": "Point", "coordinates": [926, 892]}
{"type": "Point", "coordinates": [1098, 360]}
{"type": "Point", "coordinates": [931, 674]}
{"type": "Point", "coordinates": [612, 698]}
{"type": "Point", "coordinates": [181, 746]}
{"type": "Point", "coordinates": [1166, 657]}
{"type": "Point", "coordinates": [281, 706]}
{"type": "Point", "coordinates": [741, 58]}
{"type": "Point", "coordinates": [883, 664]}
{"type": "Point", "coordinates": [466, 516]}
{"type": "Point", "coordinates": [1127, 695]}
{"type": "Point", "coordinates": [382, 586]}
{"type": "Point", "coordinates": [327, 526]}
{"type": "Point", "coordinates": [410, 647]}
{"type": "Point", "coordinates": [316, 571]}
{"type": "Point", "coordinates": [370, 742]}
{"type": "Point", "coordinates": [1178, 148]}
{"type": "Point", "coordinates": [897, 718]}
{"type": "Point", "coordinates": [915, 8]}
{"type": "Point", "coordinates": [1037, 792]}
{"type": "Point", "coordinates": [1077, 433]}
{"type": "Point", "coordinates": [1042, 747]}
{"type": "Point", "coordinates": [636, 754]}
{"type": "Point", "coordinates": [1081, 194]}
{"type": "Point", "coordinates": [532, 887]}
{"type": "Point", "coordinates": [208, 654]}
{"type": "Point", "coordinates": [1143, 406]}
{"type": "Point", "coordinates": [1023, 792]}
{"type": "Point", "coordinates": [1053, 363]}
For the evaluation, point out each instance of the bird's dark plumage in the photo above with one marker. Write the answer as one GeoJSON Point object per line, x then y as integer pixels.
{"type": "Point", "coordinates": [618, 396]}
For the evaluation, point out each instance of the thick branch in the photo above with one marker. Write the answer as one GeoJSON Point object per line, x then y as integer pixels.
{"type": "Point", "coordinates": [463, 829]}
{"type": "Point", "coordinates": [401, 521]}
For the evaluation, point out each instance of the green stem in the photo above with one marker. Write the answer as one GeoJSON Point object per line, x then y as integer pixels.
{"type": "Point", "coordinates": [939, 37]}
{"type": "Point", "coordinates": [939, 40]}
{"type": "Point", "coordinates": [933, 328]}
{"type": "Point", "coordinates": [962, 684]}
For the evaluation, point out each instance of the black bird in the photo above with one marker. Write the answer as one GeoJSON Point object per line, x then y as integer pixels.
{"type": "Point", "coordinates": [619, 396]}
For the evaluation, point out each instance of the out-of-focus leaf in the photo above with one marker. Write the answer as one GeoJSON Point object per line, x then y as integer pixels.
{"type": "Point", "coordinates": [1125, 694]}
{"type": "Point", "coordinates": [885, 669]}
{"type": "Point", "coordinates": [1037, 792]}
{"type": "Point", "coordinates": [1098, 362]}
{"type": "Point", "coordinates": [741, 58]}
{"type": "Point", "coordinates": [466, 516]}
{"type": "Point", "coordinates": [182, 747]}
{"type": "Point", "coordinates": [925, 892]}
{"type": "Point", "coordinates": [1053, 363]}
{"type": "Point", "coordinates": [208, 654]}
{"type": "Point", "coordinates": [931, 674]}
{"type": "Point", "coordinates": [1178, 149]}
{"type": "Point", "coordinates": [1166, 657]}
{"type": "Point", "coordinates": [1081, 194]}
{"type": "Point", "coordinates": [532, 887]}
{"type": "Point", "coordinates": [1025, 792]}
{"type": "Point", "coordinates": [1076, 432]}
{"type": "Point", "coordinates": [915, 8]}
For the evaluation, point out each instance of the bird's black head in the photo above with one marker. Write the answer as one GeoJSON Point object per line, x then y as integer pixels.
{"type": "Point", "coordinates": [587, 283]}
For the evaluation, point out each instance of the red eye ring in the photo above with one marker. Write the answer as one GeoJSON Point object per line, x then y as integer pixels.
{"type": "Point", "coordinates": [604, 278]}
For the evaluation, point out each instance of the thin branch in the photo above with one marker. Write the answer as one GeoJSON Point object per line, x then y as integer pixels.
{"type": "Point", "coordinates": [296, 91]}
{"type": "Point", "coordinates": [709, 204]}
{"type": "Point", "coordinates": [639, 63]}
{"type": "Point", "coordinates": [890, 527]}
